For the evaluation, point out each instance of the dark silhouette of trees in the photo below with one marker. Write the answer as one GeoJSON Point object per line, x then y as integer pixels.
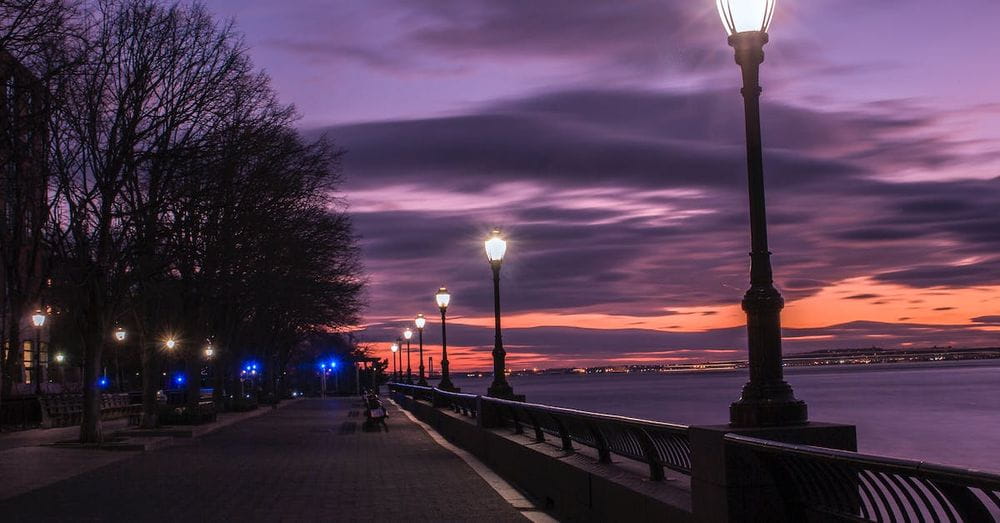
{"type": "Point", "coordinates": [186, 205]}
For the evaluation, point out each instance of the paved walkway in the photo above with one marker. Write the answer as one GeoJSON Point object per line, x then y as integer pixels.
{"type": "Point", "coordinates": [309, 461]}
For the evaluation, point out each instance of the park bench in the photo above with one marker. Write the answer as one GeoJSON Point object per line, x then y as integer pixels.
{"type": "Point", "coordinates": [64, 410]}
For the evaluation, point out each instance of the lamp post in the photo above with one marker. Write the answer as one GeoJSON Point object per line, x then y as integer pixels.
{"type": "Point", "coordinates": [496, 247]}
{"type": "Point", "coordinates": [60, 359]}
{"type": "Point", "coordinates": [420, 321]}
{"type": "Point", "coordinates": [767, 400]}
{"type": "Point", "coordinates": [394, 348]}
{"type": "Point", "coordinates": [409, 373]}
{"type": "Point", "coordinates": [169, 343]}
{"type": "Point", "coordinates": [399, 375]}
{"type": "Point", "coordinates": [443, 298]}
{"type": "Point", "coordinates": [38, 320]}
{"type": "Point", "coordinates": [120, 336]}
{"type": "Point", "coordinates": [322, 380]}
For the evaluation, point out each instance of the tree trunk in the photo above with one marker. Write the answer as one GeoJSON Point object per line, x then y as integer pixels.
{"type": "Point", "coordinates": [151, 377]}
{"type": "Point", "coordinates": [90, 428]}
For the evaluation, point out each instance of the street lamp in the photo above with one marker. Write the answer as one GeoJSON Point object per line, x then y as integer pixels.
{"type": "Point", "coordinates": [209, 351]}
{"type": "Point", "coordinates": [394, 348]}
{"type": "Point", "coordinates": [767, 400]}
{"type": "Point", "coordinates": [496, 247]}
{"type": "Point", "coordinates": [409, 373]}
{"type": "Point", "coordinates": [38, 320]}
{"type": "Point", "coordinates": [60, 359]}
{"type": "Point", "coordinates": [443, 299]}
{"type": "Point", "coordinates": [120, 337]}
{"type": "Point", "coordinates": [170, 343]}
{"type": "Point", "coordinates": [420, 321]}
{"type": "Point", "coordinates": [399, 343]}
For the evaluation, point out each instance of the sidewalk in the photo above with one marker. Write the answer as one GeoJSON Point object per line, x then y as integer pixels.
{"type": "Point", "coordinates": [26, 463]}
{"type": "Point", "coordinates": [309, 461]}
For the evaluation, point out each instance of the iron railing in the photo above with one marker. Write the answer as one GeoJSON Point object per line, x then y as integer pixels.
{"type": "Point", "coordinates": [820, 484]}
{"type": "Point", "coordinates": [656, 444]}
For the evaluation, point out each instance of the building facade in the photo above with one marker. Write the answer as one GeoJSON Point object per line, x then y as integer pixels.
{"type": "Point", "coordinates": [24, 212]}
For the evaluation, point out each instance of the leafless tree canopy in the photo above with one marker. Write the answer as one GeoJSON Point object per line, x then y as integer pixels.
{"type": "Point", "coordinates": [182, 201]}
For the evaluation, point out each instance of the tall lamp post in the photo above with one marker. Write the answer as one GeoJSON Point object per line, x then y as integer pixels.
{"type": "Point", "coordinates": [420, 321]}
{"type": "Point", "coordinates": [399, 375]}
{"type": "Point", "coordinates": [409, 373]}
{"type": "Point", "coordinates": [38, 320]}
{"type": "Point", "coordinates": [169, 343]}
{"type": "Point", "coordinates": [394, 348]}
{"type": "Point", "coordinates": [120, 336]}
{"type": "Point", "coordinates": [496, 247]}
{"type": "Point", "coordinates": [443, 298]}
{"type": "Point", "coordinates": [767, 400]}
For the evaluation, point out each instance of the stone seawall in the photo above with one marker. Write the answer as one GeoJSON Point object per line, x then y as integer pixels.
{"type": "Point", "coordinates": [572, 485]}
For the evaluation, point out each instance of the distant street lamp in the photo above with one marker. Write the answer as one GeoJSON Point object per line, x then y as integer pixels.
{"type": "Point", "coordinates": [38, 320]}
{"type": "Point", "coordinates": [767, 400]}
{"type": "Point", "coordinates": [322, 378]}
{"type": "Point", "coordinates": [170, 343]}
{"type": "Point", "coordinates": [420, 321]}
{"type": "Point", "coordinates": [443, 299]}
{"type": "Point", "coordinates": [496, 247]}
{"type": "Point", "coordinates": [409, 373]}
{"type": "Point", "coordinates": [60, 359]}
{"type": "Point", "coordinates": [394, 348]}
{"type": "Point", "coordinates": [399, 343]}
{"type": "Point", "coordinates": [209, 351]}
{"type": "Point", "coordinates": [120, 337]}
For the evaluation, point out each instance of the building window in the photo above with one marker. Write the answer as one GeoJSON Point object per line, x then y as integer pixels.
{"type": "Point", "coordinates": [27, 355]}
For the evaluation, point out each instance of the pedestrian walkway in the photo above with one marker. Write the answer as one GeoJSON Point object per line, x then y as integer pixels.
{"type": "Point", "coordinates": [309, 461]}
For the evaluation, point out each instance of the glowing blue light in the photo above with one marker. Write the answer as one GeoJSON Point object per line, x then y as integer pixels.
{"type": "Point", "coordinates": [333, 365]}
{"type": "Point", "coordinates": [179, 379]}
{"type": "Point", "coordinates": [103, 382]}
{"type": "Point", "coordinates": [322, 366]}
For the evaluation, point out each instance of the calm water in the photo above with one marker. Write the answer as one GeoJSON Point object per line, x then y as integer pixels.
{"type": "Point", "coordinates": [941, 412]}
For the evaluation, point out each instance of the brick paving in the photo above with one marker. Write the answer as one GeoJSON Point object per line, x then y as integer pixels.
{"type": "Point", "coordinates": [309, 461]}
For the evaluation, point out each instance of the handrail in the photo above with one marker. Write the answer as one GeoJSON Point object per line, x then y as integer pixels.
{"type": "Point", "coordinates": [873, 488]}
{"type": "Point", "coordinates": [654, 443]}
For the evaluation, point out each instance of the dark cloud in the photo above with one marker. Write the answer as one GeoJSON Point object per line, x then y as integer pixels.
{"type": "Point", "coordinates": [633, 202]}
{"type": "Point", "coordinates": [943, 275]}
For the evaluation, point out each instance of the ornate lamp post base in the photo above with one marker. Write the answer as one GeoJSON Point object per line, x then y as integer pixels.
{"type": "Point", "coordinates": [503, 390]}
{"type": "Point", "coordinates": [768, 413]}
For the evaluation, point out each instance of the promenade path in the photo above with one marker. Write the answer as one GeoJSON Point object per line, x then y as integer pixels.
{"type": "Point", "coordinates": [309, 461]}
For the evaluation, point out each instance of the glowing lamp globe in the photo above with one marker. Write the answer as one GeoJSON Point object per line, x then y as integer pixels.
{"type": "Point", "coordinates": [171, 343]}
{"type": "Point", "coordinates": [209, 351]}
{"type": "Point", "coordinates": [420, 321]}
{"type": "Point", "coordinates": [394, 347]}
{"type": "Point", "coordinates": [120, 334]}
{"type": "Point", "coordinates": [743, 16]}
{"type": "Point", "coordinates": [60, 357]}
{"type": "Point", "coordinates": [407, 333]}
{"type": "Point", "coordinates": [443, 298]}
{"type": "Point", "coordinates": [495, 247]}
{"type": "Point", "coordinates": [38, 318]}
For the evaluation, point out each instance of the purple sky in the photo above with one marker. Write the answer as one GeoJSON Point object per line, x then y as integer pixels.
{"type": "Point", "coordinates": [606, 139]}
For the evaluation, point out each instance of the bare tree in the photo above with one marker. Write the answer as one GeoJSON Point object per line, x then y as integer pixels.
{"type": "Point", "coordinates": [137, 110]}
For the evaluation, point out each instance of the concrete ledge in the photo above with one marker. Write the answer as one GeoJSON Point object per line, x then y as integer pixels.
{"type": "Point", "coordinates": [571, 485]}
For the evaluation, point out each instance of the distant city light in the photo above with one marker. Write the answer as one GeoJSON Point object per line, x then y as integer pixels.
{"type": "Point", "coordinates": [103, 382]}
{"type": "Point", "coordinates": [179, 379]}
